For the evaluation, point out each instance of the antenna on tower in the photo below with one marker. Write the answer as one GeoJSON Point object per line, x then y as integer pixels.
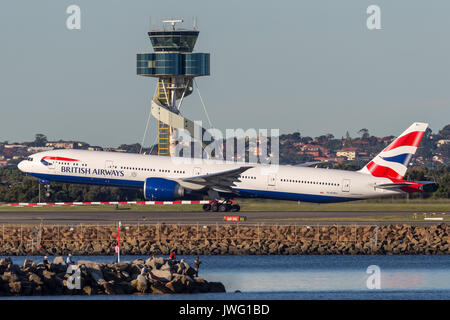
{"type": "Point", "coordinates": [173, 22]}
{"type": "Point", "coordinates": [194, 23]}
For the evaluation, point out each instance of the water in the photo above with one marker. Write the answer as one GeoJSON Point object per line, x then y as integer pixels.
{"type": "Point", "coordinates": [308, 277]}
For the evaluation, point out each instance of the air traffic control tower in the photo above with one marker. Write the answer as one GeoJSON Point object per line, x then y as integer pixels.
{"type": "Point", "coordinates": [175, 66]}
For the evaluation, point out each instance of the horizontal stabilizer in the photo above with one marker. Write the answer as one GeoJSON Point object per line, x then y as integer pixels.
{"type": "Point", "coordinates": [394, 185]}
{"type": "Point", "coordinates": [410, 186]}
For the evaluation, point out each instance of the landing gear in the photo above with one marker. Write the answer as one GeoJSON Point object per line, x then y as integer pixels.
{"type": "Point", "coordinates": [222, 206]}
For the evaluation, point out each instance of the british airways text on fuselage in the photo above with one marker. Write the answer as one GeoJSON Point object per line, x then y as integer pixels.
{"type": "Point", "coordinates": [88, 171]}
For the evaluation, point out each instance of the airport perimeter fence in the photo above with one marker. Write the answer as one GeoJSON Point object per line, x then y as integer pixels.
{"type": "Point", "coordinates": [289, 234]}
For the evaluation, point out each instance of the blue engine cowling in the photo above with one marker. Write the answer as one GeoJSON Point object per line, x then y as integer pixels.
{"type": "Point", "coordinates": [159, 189]}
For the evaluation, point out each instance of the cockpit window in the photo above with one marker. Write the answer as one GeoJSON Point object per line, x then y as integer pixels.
{"type": "Point", "coordinates": [30, 159]}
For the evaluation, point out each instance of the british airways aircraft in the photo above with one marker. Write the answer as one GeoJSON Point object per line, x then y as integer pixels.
{"type": "Point", "coordinates": [166, 179]}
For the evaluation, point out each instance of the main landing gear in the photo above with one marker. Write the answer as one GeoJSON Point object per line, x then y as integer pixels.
{"type": "Point", "coordinates": [222, 206]}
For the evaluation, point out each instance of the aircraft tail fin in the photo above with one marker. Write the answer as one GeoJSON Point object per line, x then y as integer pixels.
{"type": "Point", "coordinates": [393, 161]}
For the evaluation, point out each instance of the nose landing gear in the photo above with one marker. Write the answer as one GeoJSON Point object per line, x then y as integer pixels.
{"type": "Point", "coordinates": [222, 206]}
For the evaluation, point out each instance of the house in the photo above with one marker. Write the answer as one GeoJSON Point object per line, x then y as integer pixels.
{"type": "Point", "coordinates": [14, 146]}
{"type": "Point", "coordinates": [442, 142]}
{"type": "Point", "coordinates": [349, 153]}
{"type": "Point", "coordinates": [438, 159]}
{"type": "Point", "coordinates": [39, 149]}
{"type": "Point", "coordinates": [95, 148]}
{"type": "Point", "coordinates": [63, 145]}
{"type": "Point", "coordinates": [311, 147]}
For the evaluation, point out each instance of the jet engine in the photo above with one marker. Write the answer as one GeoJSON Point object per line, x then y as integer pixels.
{"type": "Point", "coordinates": [159, 189]}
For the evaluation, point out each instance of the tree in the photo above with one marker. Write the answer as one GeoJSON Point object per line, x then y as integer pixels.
{"type": "Point", "coordinates": [131, 148]}
{"type": "Point", "coordinates": [445, 132]}
{"type": "Point", "coordinates": [364, 133]}
{"type": "Point", "coordinates": [39, 140]}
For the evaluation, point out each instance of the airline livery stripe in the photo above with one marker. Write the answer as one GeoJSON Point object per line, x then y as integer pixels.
{"type": "Point", "coordinates": [410, 139]}
{"type": "Point", "coordinates": [399, 150]}
{"type": "Point", "coordinates": [394, 166]}
{"type": "Point", "coordinates": [59, 158]}
{"type": "Point", "coordinates": [401, 158]}
{"type": "Point", "coordinates": [382, 171]}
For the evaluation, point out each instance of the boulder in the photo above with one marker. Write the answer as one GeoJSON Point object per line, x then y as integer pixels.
{"type": "Point", "coordinates": [165, 267]}
{"type": "Point", "coordinates": [29, 263]}
{"type": "Point", "coordinates": [122, 266]}
{"type": "Point", "coordinates": [180, 284]}
{"type": "Point", "coordinates": [139, 262]}
{"type": "Point", "coordinates": [59, 260]}
{"type": "Point", "coordinates": [10, 277]}
{"type": "Point", "coordinates": [34, 278]}
{"type": "Point", "coordinates": [158, 287]}
{"type": "Point", "coordinates": [27, 288]}
{"type": "Point", "coordinates": [109, 275]}
{"type": "Point", "coordinates": [112, 289]}
{"type": "Point", "coordinates": [126, 287]}
{"type": "Point", "coordinates": [155, 263]}
{"type": "Point", "coordinates": [216, 287]}
{"type": "Point", "coordinates": [135, 269]}
{"type": "Point", "coordinates": [51, 281]}
{"type": "Point", "coordinates": [94, 270]}
{"type": "Point", "coordinates": [87, 290]}
{"type": "Point", "coordinates": [57, 268]}
{"type": "Point", "coordinates": [5, 262]}
{"type": "Point", "coordinates": [200, 285]}
{"type": "Point", "coordinates": [15, 287]}
{"type": "Point", "coordinates": [161, 275]}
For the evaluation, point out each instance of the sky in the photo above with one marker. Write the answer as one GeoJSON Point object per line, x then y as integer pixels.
{"type": "Point", "coordinates": [310, 66]}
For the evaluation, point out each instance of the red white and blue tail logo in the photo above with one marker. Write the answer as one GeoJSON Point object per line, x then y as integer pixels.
{"type": "Point", "coordinates": [393, 161]}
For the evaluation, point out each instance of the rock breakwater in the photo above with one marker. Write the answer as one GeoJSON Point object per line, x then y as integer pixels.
{"type": "Point", "coordinates": [91, 278]}
{"type": "Point", "coordinates": [229, 239]}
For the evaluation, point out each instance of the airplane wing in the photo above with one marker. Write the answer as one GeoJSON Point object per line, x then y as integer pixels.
{"type": "Point", "coordinates": [219, 181]}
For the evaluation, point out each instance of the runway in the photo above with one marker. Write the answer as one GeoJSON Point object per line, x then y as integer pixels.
{"type": "Point", "coordinates": [130, 217]}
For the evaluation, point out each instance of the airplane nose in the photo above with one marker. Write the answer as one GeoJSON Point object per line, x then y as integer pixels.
{"type": "Point", "coordinates": [21, 166]}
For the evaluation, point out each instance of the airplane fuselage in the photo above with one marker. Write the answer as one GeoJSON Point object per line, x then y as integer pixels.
{"type": "Point", "coordinates": [283, 182]}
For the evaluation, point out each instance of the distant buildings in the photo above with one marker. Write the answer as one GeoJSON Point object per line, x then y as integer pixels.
{"type": "Point", "coordinates": [442, 142]}
{"type": "Point", "coordinates": [293, 149]}
{"type": "Point", "coordinates": [14, 146]}
{"type": "Point", "coordinates": [67, 145]}
{"type": "Point", "coordinates": [39, 149]}
{"type": "Point", "coordinates": [348, 153]}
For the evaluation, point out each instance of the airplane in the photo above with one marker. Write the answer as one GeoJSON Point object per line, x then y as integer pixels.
{"type": "Point", "coordinates": [163, 179]}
